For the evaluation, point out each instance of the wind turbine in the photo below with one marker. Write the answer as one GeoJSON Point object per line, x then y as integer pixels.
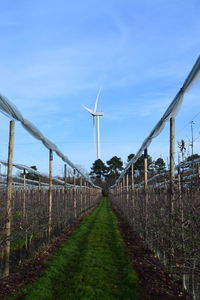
{"type": "Point", "coordinates": [96, 116]}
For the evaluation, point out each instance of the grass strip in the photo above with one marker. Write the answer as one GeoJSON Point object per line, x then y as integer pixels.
{"type": "Point", "coordinates": [91, 264]}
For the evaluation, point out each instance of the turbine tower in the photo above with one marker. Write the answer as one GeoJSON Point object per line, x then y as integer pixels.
{"type": "Point", "coordinates": [96, 116]}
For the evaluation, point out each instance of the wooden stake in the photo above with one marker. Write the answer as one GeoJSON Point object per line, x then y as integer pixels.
{"type": "Point", "coordinates": [127, 188]}
{"type": "Point", "coordinates": [124, 183]}
{"type": "Point", "coordinates": [132, 177]}
{"type": "Point", "coordinates": [74, 196]}
{"type": "Point", "coordinates": [24, 195]}
{"type": "Point", "coordinates": [85, 196]}
{"type": "Point", "coordinates": [50, 194]}
{"type": "Point", "coordinates": [145, 169]}
{"type": "Point", "coordinates": [39, 189]}
{"type": "Point", "coordinates": [127, 182]}
{"type": "Point", "coordinates": [146, 193]}
{"type": "Point", "coordinates": [81, 194]}
{"type": "Point", "coordinates": [6, 260]}
{"type": "Point", "coordinates": [172, 151]}
{"type": "Point", "coordinates": [65, 187]}
{"type": "Point", "coordinates": [171, 197]}
{"type": "Point", "coordinates": [89, 195]}
{"type": "Point", "coordinates": [132, 187]}
{"type": "Point", "coordinates": [127, 195]}
{"type": "Point", "coordinates": [121, 191]}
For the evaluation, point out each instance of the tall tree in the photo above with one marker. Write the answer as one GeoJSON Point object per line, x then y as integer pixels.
{"type": "Point", "coordinates": [139, 165]}
{"type": "Point", "coordinates": [193, 157]}
{"type": "Point", "coordinates": [130, 156]}
{"type": "Point", "coordinates": [115, 165]}
{"type": "Point", "coordinates": [98, 169]}
{"type": "Point", "coordinates": [159, 164]}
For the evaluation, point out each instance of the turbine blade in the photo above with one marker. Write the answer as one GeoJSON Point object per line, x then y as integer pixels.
{"type": "Point", "coordinates": [97, 99]}
{"type": "Point", "coordinates": [88, 109]}
{"type": "Point", "coordinates": [93, 121]}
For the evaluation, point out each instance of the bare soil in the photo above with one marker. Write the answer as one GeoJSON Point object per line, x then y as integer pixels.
{"type": "Point", "coordinates": [155, 283]}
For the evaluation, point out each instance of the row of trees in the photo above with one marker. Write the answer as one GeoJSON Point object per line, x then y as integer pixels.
{"type": "Point", "coordinates": [107, 173]}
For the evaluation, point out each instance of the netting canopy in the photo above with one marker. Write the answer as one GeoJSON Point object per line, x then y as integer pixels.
{"type": "Point", "coordinates": [10, 109]}
{"type": "Point", "coordinates": [169, 113]}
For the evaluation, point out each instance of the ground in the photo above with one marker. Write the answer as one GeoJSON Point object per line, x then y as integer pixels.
{"type": "Point", "coordinates": [154, 282]}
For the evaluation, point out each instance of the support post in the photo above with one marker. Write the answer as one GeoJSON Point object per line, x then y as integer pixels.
{"type": "Point", "coordinates": [123, 191]}
{"type": "Point", "coordinates": [65, 187]}
{"type": "Point", "coordinates": [85, 196]}
{"type": "Point", "coordinates": [171, 197]}
{"type": "Point", "coordinates": [74, 196]}
{"type": "Point", "coordinates": [6, 258]}
{"type": "Point", "coordinates": [172, 151]}
{"type": "Point", "coordinates": [145, 169]}
{"type": "Point", "coordinates": [127, 182]}
{"type": "Point", "coordinates": [81, 194]}
{"type": "Point", "coordinates": [89, 195]}
{"type": "Point", "coordinates": [127, 195]}
{"type": "Point", "coordinates": [24, 195]}
{"type": "Point", "coordinates": [50, 194]}
{"type": "Point", "coordinates": [132, 177]}
{"type": "Point", "coordinates": [132, 189]}
{"type": "Point", "coordinates": [146, 193]}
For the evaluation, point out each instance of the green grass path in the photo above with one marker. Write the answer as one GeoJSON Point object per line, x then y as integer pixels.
{"type": "Point", "coordinates": [91, 264]}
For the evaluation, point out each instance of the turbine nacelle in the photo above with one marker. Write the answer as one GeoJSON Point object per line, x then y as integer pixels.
{"type": "Point", "coordinates": [93, 113]}
{"type": "Point", "coordinates": [100, 114]}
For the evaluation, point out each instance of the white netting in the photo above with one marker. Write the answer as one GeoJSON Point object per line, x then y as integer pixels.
{"type": "Point", "coordinates": [31, 171]}
{"type": "Point", "coordinates": [170, 112]}
{"type": "Point", "coordinates": [9, 109]}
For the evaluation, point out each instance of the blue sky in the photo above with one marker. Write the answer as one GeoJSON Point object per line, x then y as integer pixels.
{"type": "Point", "coordinates": [54, 56]}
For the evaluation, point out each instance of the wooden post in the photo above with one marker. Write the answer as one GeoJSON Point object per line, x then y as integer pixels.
{"type": "Point", "coordinates": [65, 187]}
{"type": "Point", "coordinates": [50, 194]}
{"type": "Point", "coordinates": [146, 193]}
{"type": "Point", "coordinates": [74, 195]}
{"type": "Point", "coordinates": [172, 166]}
{"type": "Point", "coordinates": [127, 196]}
{"type": "Point", "coordinates": [179, 178]}
{"type": "Point", "coordinates": [171, 196]}
{"type": "Point", "coordinates": [39, 189]}
{"type": "Point", "coordinates": [123, 185]}
{"type": "Point", "coordinates": [121, 192]}
{"type": "Point", "coordinates": [132, 188]}
{"type": "Point", "coordinates": [24, 195]}
{"type": "Point", "coordinates": [172, 150]}
{"type": "Point", "coordinates": [6, 258]}
{"type": "Point", "coordinates": [127, 185]}
{"type": "Point", "coordinates": [81, 194]}
{"type": "Point", "coordinates": [145, 169]}
{"type": "Point", "coordinates": [132, 177]}
{"type": "Point", "coordinates": [85, 196]}
{"type": "Point", "coordinates": [127, 182]}
{"type": "Point", "coordinates": [89, 195]}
